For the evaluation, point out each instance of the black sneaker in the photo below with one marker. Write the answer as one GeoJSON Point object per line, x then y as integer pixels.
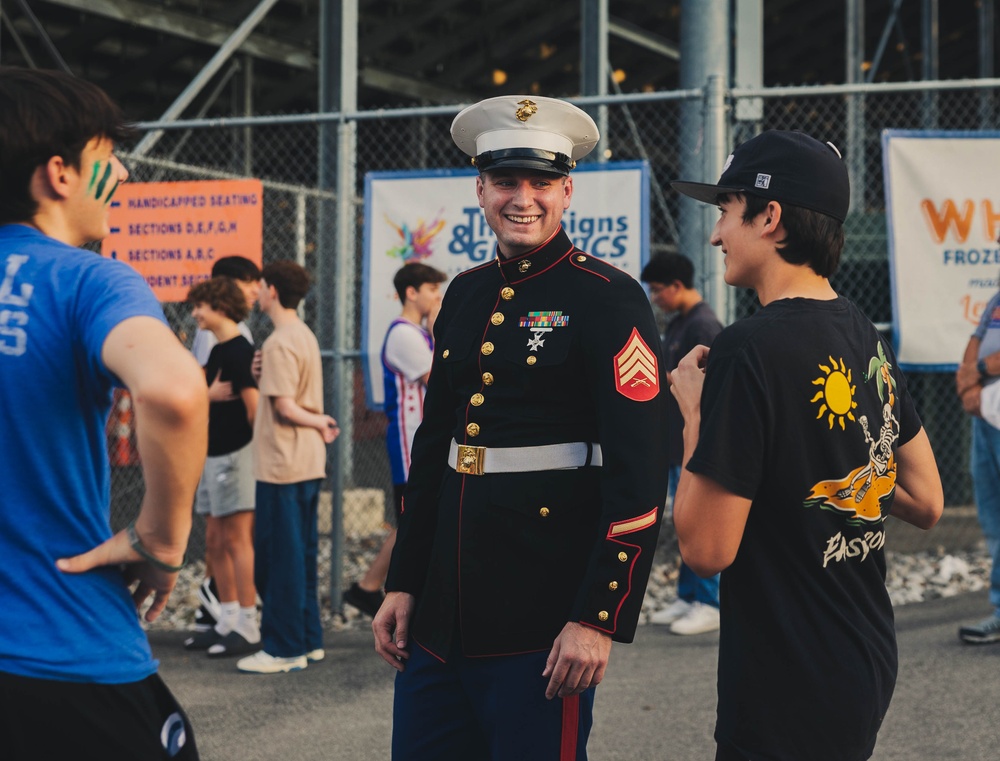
{"type": "Point", "coordinates": [210, 611]}
{"type": "Point", "coordinates": [233, 643]}
{"type": "Point", "coordinates": [202, 640]}
{"type": "Point", "coordinates": [982, 633]}
{"type": "Point", "coordinates": [366, 602]}
{"type": "Point", "coordinates": [203, 620]}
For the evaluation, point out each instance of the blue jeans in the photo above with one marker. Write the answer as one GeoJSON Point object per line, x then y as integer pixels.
{"type": "Point", "coordinates": [986, 484]}
{"type": "Point", "coordinates": [286, 539]}
{"type": "Point", "coordinates": [690, 586]}
{"type": "Point", "coordinates": [477, 709]}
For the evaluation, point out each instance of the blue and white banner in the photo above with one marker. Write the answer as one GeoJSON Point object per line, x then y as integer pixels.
{"type": "Point", "coordinates": [434, 217]}
{"type": "Point", "coordinates": [942, 203]}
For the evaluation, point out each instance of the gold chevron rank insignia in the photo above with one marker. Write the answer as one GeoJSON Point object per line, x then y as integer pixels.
{"type": "Point", "coordinates": [636, 375]}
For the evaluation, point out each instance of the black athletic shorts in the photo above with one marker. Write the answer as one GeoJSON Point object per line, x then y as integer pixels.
{"type": "Point", "coordinates": [48, 719]}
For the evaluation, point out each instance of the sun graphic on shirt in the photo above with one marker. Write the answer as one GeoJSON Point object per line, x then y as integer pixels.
{"type": "Point", "coordinates": [836, 397]}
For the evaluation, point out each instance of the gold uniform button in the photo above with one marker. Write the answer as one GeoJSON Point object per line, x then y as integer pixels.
{"type": "Point", "coordinates": [473, 430]}
{"type": "Point", "coordinates": [602, 616]}
{"type": "Point", "coordinates": [544, 512]}
{"type": "Point", "coordinates": [581, 258]}
{"type": "Point", "coordinates": [477, 399]}
{"type": "Point", "coordinates": [507, 293]}
{"type": "Point", "coordinates": [613, 586]}
{"type": "Point", "coordinates": [622, 556]}
{"type": "Point", "coordinates": [497, 318]}
{"type": "Point", "coordinates": [487, 348]}
{"type": "Point", "coordinates": [445, 354]}
{"type": "Point", "coordinates": [487, 379]}
{"type": "Point", "coordinates": [532, 359]}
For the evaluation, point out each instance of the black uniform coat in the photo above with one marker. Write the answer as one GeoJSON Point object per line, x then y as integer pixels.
{"type": "Point", "coordinates": [503, 561]}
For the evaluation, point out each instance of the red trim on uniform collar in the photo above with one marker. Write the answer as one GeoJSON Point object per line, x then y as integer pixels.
{"type": "Point", "coordinates": [541, 259]}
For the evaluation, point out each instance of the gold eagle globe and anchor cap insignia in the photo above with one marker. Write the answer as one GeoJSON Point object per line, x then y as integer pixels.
{"type": "Point", "coordinates": [528, 108]}
{"type": "Point", "coordinates": [525, 132]}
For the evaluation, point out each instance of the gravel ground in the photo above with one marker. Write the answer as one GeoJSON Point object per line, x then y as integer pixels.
{"type": "Point", "coordinates": [916, 577]}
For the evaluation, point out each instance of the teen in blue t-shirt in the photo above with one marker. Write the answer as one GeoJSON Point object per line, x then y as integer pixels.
{"type": "Point", "coordinates": [74, 325]}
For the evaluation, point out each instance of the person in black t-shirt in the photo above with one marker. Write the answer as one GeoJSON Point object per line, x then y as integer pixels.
{"type": "Point", "coordinates": [226, 494]}
{"type": "Point", "coordinates": [800, 439]}
{"type": "Point", "coordinates": [670, 278]}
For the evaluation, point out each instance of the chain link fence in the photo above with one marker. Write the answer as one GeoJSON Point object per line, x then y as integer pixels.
{"type": "Point", "coordinates": [299, 161]}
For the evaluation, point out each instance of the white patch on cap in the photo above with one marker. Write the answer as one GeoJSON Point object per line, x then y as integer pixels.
{"type": "Point", "coordinates": [834, 149]}
{"type": "Point", "coordinates": [763, 181]}
{"type": "Point", "coordinates": [728, 162]}
{"type": "Point", "coordinates": [500, 139]}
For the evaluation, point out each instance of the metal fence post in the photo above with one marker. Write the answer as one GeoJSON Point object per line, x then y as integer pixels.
{"type": "Point", "coordinates": [344, 343]}
{"type": "Point", "coordinates": [704, 23]}
{"type": "Point", "coordinates": [338, 87]}
{"type": "Point", "coordinates": [716, 133]}
{"type": "Point", "coordinates": [855, 139]}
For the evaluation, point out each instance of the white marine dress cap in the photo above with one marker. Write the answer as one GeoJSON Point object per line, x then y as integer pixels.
{"type": "Point", "coordinates": [525, 132]}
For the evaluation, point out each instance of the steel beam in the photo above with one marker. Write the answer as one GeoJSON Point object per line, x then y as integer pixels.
{"type": "Point", "coordinates": [629, 32]}
{"type": "Point", "coordinates": [194, 28]}
{"type": "Point", "coordinates": [223, 54]}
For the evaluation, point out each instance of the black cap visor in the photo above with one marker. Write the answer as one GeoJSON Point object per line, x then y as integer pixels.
{"type": "Point", "coordinates": [702, 191]}
{"type": "Point", "coordinates": [525, 158]}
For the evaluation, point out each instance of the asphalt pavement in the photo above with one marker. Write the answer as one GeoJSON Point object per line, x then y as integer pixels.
{"type": "Point", "coordinates": [657, 700]}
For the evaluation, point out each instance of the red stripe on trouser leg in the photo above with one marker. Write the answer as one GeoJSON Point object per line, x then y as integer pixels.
{"type": "Point", "coordinates": [570, 728]}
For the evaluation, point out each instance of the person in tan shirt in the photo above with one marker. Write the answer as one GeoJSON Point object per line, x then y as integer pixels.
{"type": "Point", "coordinates": [290, 434]}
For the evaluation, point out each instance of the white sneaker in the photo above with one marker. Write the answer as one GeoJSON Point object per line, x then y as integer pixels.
{"type": "Point", "coordinates": [699, 619]}
{"type": "Point", "coordinates": [264, 663]}
{"type": "Point", "coordinates": [671, 613]}
{"type": "Point", "coordinates": [316, 655]}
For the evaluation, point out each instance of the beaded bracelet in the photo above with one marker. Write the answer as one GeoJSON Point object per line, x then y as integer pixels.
{"type": "Point", "coordinates": [136, 542]}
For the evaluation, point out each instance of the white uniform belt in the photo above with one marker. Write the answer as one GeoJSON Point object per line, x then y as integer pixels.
{"type": "Point", "coordinates": [477, 461]}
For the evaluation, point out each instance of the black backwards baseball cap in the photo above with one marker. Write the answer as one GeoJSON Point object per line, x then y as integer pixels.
{"type": "Point", "coordinates": [788, 167]}
{"type": "Point", "coordinates": [525, 132]}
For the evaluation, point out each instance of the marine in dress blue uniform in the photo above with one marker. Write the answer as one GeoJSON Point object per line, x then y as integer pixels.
{"type": "Point", "coordinates": [537, 477]}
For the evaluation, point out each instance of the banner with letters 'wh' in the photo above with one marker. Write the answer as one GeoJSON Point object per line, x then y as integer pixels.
{"type": "Point", "coordinates": [434, 217]}
{"type": "Point", "coordinates": [943, 215]}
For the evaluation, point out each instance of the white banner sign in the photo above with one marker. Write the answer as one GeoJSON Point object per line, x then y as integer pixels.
{"type": "Point", "coordinates": [434, 217]}
{"type": "Point", "coordinates": [943, 217]}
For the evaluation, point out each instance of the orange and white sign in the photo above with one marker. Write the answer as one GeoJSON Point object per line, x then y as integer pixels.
{"type": "Point", "coordinates": [943, 219]}
{"type": "Point", "coordinates": [173, 232]}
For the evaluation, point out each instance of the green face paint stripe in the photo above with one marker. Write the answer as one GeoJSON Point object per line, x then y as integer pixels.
{"type": "Point", "coordinates": [113, 189]}
{"type": "Point", "coordinates": [104, 181]}
{"type": "Point", "coordinates": [93, 176]}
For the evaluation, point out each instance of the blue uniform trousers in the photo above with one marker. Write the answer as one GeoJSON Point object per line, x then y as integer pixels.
{"type": "Point", "coordinates": [479, 709]}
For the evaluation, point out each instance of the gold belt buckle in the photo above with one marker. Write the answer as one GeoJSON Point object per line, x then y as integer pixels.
{"type": "Point", "coordinates": [470, 460]}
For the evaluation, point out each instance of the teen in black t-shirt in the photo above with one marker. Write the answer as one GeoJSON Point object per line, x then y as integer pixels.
{"type": "Point", "coordinates": [226, 493]}
{"type": "Point", "coordinates": [229, 426]}
{"type": "Point", "coordinates": [800, 438]}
